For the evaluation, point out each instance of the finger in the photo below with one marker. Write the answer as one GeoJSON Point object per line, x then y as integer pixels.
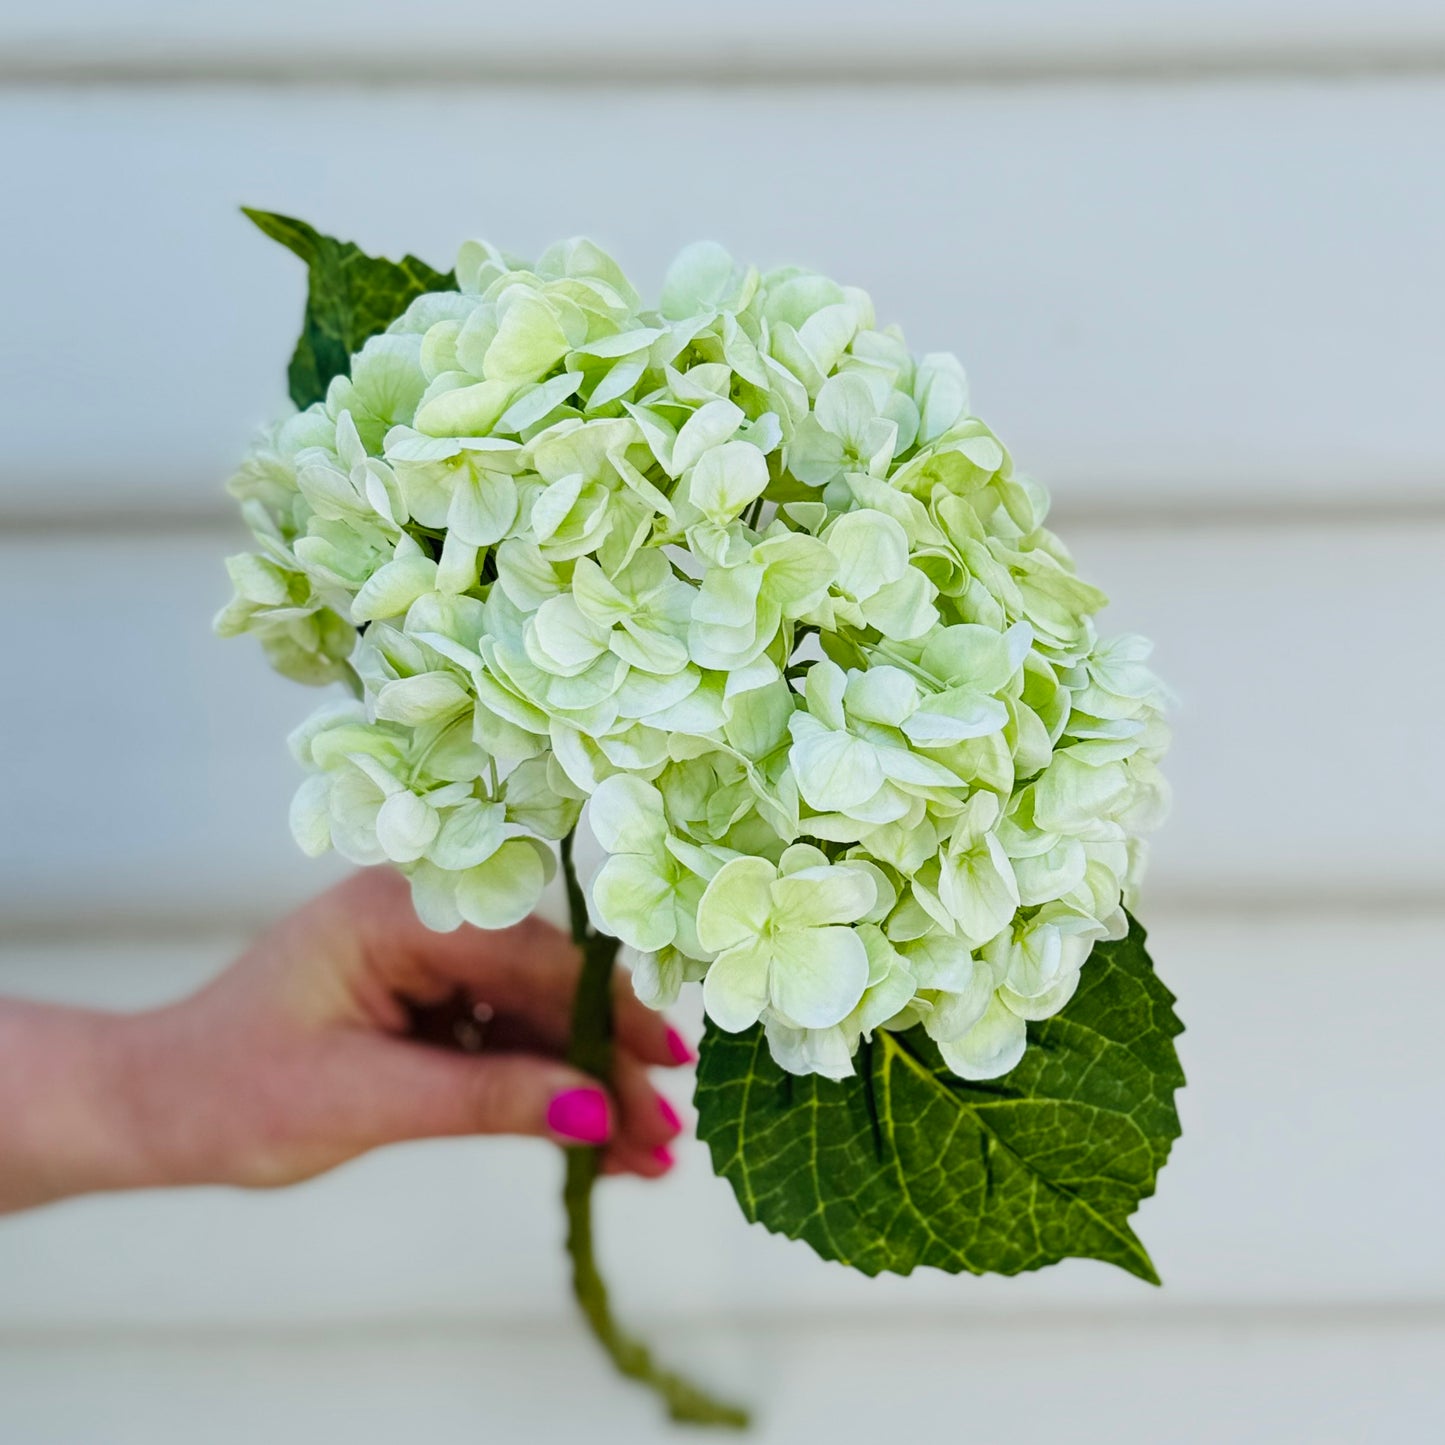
{"type": "Point", "coordinates": [542, 991]}
{"type": "Point", "coordinates": [531, 971]}
{"type": "Point", "coordinates": [416, 960]}
{"type": "Point", "coordinates": [517, 1033]}
{"type": "Point", "coordinates": [645, 1164]}
{"type": "Point", "coordinates": [646, 1119]}
{"type": "Point", "coordinates": [530, 968]}
{"type": "Point", "coordinates": [540, 984]}
{"type": "Point", "coordinates": [647, 1123]}
{"type": "Point", "coordinates": [393, 1090]}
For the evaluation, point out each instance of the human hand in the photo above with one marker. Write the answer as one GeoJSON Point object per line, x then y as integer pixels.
{"type": "Point", "coordinates": [303, 1054]}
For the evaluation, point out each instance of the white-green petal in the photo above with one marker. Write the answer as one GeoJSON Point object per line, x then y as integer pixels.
{"type": "Point", "coordinates": [940, 961]}
{"type": "Point", "coordinates": [1050, 874]}
{"type": "Point", "coordinates": [735, 991]}
{"type": "Point", "coordinates": [532, 404]}
{"type": "Point", "coordinates": [901, 766]}
{"type": "Point", "coordinates": [708, 427]}
{"type": "Point", "coordinates": [903, 609]}
{"type": "Point", "coordinates": [483, 508]}
{"type": "Point", "coordinates": [871, 549]}
{"type": "Point", "coordinates": [1072, 797]}
{"type": "Point", "coordinates": [846, 404]}
{"type": "Point", "coordinates": [726, 478]}
{"type": "Point", "coordinates": [990, 1048]}
{"type": "Point", "coordinates": [649, 648]}
{"type": "Point", "coordinates": [390, 590]}
{"type": "Point", "coordinates": [469, 835]}
{"type": "Point", "coordinates": [824, 688]}
{"type": "Point", "coordinates": [427, 697]}
{"type": "Point", "coordinates": [797, 571]}
{"type": "Point", "coordinates": [626, 815]}
{"type": "Point", "coordinates": [818, 974]}
{"type": "Point", "coordinates": [311, 815]}
{"type": "Point", "coordinates": [562, 639]}
{"type": "Point", "coordinates": [881, 694]}
{"type": "Point", "coordinates": [736, 904]}
{"type": "Point", "coordinates": [811, 1051]}
{"type": "Point", "coordinates": [529, 339]}
{"type": "Point", "coordinates": [835, 771]}
{"type": "Point", "coordinates": [633, 900]}
{"type": "Point", "coordinates": [953, 716]}
{"type": "Point", "coordinates": [505, 889]}
{"type": "Point", "coordinates": [941, 390]}
{"type": "Point", "coordinates": [979, 891]}
{"type": "Point", "coordinates": [464, 410]}
{"type": "Point", "coordinates": [405, 826]}
{"type": "Point", "coordinates": [822, 895]}
{"type": "Point", "coordinates": [1042, 1005]}
{"type": "Point", "coordinates": [434, 896]}
{"type": "Point", "coordinates": [701, 277]}
{"type": "Point", "coordinates": [657, 978]}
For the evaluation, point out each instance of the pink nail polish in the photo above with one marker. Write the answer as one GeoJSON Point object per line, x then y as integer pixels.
{"type": "Point", "coordinates": [663, 1155]}
{"type": "Point", "coordinates": [670, 1115]}
{"type": "Point", "coordinates": [679, 1048]}
{"type": "Point", "coordinates": [580, 1114]}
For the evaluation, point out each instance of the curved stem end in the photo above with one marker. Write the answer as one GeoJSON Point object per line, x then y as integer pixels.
{"type": "Point", "coordinates": [591, 1049]}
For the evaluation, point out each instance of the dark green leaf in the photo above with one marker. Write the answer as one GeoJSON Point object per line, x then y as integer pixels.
{"type": "Point", "coordinates": [907, 1165]}
{"type": "Point", "coordinates": [351, 296]}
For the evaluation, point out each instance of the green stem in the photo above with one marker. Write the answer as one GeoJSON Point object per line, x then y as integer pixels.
{"type": "Point", "coordinates": [591, 1050]}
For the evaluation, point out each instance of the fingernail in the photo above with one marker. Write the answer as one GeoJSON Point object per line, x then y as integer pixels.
{"type": "Point", "coordinates": [669, 1114]}
{"type": "Point", "coordinates": [580, 1114]}
{"type": "Point", "coordinates": [663, 1155]}
{"type": "Point", "coordinates": [679, 1048]}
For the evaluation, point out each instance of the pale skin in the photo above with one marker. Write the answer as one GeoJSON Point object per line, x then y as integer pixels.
{"type": "Point", "coordinates": [302, 1056]}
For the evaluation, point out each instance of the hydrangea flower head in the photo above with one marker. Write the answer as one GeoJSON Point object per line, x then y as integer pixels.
{"type": "Point", "coordinates": [746, 582]}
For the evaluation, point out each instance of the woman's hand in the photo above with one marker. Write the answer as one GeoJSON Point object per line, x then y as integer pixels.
{"type": "Point", "coordinates": [305, 1053]}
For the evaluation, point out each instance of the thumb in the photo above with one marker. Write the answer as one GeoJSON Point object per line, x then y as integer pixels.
{"type": "Point", "coordinates": [413, 1091]}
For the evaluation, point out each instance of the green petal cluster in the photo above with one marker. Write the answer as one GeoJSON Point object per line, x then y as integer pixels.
{"type": "Point", "coordinates": [747, 579]}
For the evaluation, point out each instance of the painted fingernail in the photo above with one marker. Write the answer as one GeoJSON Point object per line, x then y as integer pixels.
{"type": "Point", "coordinates": [663, 1155]}
{"type": "Point", "coordinates": [580, 1114]}
{"type": "Point", "coordinates": [679, 1048]}
{"type": "Point", "coordinates": [670, 1115]}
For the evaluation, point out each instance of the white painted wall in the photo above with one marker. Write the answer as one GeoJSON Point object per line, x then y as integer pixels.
{"type": "Point", "coordinates": [1191, 254]}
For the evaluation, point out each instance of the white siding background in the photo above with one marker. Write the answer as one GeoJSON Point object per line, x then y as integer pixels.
{"type": "Point", "coordinates": [1192, 253]}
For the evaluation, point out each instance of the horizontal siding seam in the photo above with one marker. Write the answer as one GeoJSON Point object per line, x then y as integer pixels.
{"type": "Point", "coordinates": [1303, 1317]}
{"type": "Point", "coordinates": [1212, 906]}
{"type": "Point", "coordinates": [216, 516]}
{"type": "Point", "coordinates": [1202, 65]}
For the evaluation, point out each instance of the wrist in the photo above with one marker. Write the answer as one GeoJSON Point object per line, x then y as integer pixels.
{"type": "Point", "coordinates": [159, 1074]}
{"type": "Point", "coordinates": [71, 1118]}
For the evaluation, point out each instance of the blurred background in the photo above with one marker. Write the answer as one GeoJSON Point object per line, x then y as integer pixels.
{"type": "Point", "coordinates": [1191, 254]}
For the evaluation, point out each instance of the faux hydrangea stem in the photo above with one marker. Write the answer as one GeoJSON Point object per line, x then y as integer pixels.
{"type": "Point", "coordinates": [591, 1050]}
